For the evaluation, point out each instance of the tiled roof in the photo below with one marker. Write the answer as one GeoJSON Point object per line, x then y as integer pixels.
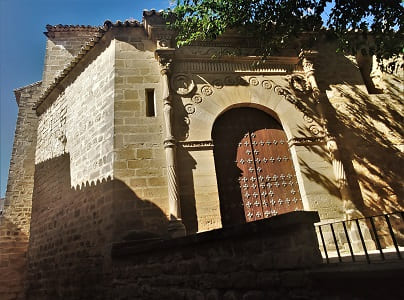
{"type": "Point", "coordinates": [98, 34]}
{"type": "Point", "coordinates": [65, 28]}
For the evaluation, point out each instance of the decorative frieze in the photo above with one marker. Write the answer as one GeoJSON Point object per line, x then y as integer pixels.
{"type": "Point", "coordinates": [220, 66]}
{"type": "Point", "coordinates": [307, 141]}
{"type": "Point", "coordinates": [197, 145]}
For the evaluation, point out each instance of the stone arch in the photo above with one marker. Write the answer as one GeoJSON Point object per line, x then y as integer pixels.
{"type": "Point", "coordinates": [259, 181]}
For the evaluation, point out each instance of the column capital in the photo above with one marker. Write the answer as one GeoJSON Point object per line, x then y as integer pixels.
{"type": "Point", "coordinates": [307, 58]}
{"type": "Point", "coordinates": [165, 58]}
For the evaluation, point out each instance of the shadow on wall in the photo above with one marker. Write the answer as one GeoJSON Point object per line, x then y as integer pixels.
{"type": "Point", "coordinates": [369, 130]}
{"type": "Point", "coordinates": [13, 259]}
{"type": "Point", "coordinates": [72, 230]}
{"type": "Point", "coordinates": [186, 180]}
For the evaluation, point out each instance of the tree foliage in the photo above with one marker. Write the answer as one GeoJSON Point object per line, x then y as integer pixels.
{"type": "Point", "coordinates": [372, 26]}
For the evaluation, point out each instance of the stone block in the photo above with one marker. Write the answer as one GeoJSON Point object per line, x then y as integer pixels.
{"type": "Point", "coordinates": [144, 153]}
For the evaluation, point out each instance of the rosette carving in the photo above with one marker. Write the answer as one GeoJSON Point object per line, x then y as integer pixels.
{"type": "Point", "coordinates": [197, 99]}
{"type": "Point", "coordinates": [253, 81]}
{"type": "Point", "coordinates": [206, 90]}
{"type": "Point", "coordinates": [190, 108]}
{"type": "Point", "coordinates": [266, 84]}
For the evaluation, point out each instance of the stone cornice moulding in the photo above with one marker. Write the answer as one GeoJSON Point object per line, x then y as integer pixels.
{"type": "Point", "coordinates": [237, 64]}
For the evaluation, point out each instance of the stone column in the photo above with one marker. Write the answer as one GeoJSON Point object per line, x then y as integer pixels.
{"type": "Point", "coordinates": [175, 227]}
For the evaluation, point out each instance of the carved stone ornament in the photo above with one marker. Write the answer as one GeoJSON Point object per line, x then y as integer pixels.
{"type": "Point", "coordinates": [266, 84]}
{"type": "Point", "coordinates": [182, 84]}
{"type": "Point", "coordinates": [302, 141]}
{"type": "Point", "coordinates": [197, 145]}
{"type": "Point", "coordinates": [314, 129]}
{"type": "Point", "coordinates": [218, 84]}
{"type": "Point", "coordinates": [197, 99]}
{"type": "Point", "coordinates": [190, 108]}
{"type": "Point", "coordinates": [163, 43]}
{"type": "Point", "coordinates": [308, 119]}
{"type": "Point", "coordinates": [206, 90]}
{"type": "Point", "coordinates": [229, 80]}
{"type": "Point", "coordinates": [281, 91]}
{"type": "Point", "coordinates": [298, 83]}
{"type": "Point", "coordinates": [253, 81]}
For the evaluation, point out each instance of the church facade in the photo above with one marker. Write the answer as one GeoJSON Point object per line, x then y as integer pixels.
{"type": "Point", "coordinates": [127, 136]}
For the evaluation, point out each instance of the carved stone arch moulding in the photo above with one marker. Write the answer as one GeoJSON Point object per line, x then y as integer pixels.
{"type": "Point", "coordinates": [185, 86]}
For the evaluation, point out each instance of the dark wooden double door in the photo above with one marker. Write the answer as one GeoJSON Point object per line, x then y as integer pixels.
{"type": "Point", "coordinates": [255, 173]}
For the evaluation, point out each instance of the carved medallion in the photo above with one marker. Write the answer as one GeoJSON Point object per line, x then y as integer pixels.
{"type": "Point", "coordinates": [206, 90]}
{"type": "Point", "coordinates": [314, 129]}
{"type": "Point", "coordinates": [189, 108]}
{"type": "Point", "coordinates": [253, 81]}
{"type": "Point", "coordinates": [197, 99]}
{"type": "Point", "coordinates": [266, 84]}
{"type": "Point", "coordinates": [298, 83]}
{"type": "Point", "coordinates": [218, 84]}
{"type": "Point", "coordinates": [182, 84]}
{"type": "Point", "coordinates": [308, 119]}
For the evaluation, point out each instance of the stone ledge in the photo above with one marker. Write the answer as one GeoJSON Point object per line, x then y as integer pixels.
{"type": "Point", "coordinates": [129, 249]}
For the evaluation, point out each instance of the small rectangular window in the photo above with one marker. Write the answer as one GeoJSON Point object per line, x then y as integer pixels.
{"type": "Point", "coordinates": [150, 103]}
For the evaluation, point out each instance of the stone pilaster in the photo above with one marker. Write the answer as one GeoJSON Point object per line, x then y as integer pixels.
{"type": "Point", "coordinates": [175, 228]}
{"type": "Point", "coordinates": [349, 208]}
{"type": "Point", "coordinates": [307, 58]}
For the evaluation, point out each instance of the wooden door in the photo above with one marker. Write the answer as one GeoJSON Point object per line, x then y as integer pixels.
{"type": "Point", "coordinates": [255, 173]}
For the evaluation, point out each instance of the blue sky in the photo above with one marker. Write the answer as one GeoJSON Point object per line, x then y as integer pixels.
{"type": "Point", "coordinates": [22, 47]}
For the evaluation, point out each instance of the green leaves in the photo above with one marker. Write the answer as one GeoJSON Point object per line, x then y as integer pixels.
{"type": "Point", "coordinates": [373, 25]}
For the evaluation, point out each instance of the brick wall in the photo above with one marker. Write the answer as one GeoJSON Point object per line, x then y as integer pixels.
{"type": "Point", "coordinates": [15, 221]}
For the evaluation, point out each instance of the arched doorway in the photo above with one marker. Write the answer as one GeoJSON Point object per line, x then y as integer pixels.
{"type": "Point", "coordinates": [255, 174]}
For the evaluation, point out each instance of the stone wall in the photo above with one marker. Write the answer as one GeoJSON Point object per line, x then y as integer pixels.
{"type": "Point", "coordinates": [80, 122]}
{"type": "Point", "coordinates": [15, 220]}
{"type": "Point", "coordinates": [64, 42]}
{"type": "Point", "coordinates": [138, 138]}
{"type": "Point", "coordinates": [72, 230]}
{"type": "Point", "coordinates": [266, 259]}
{"type": "Point", "coordinates": [369, 130]}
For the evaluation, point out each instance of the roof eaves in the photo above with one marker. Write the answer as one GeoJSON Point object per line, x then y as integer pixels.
{"type": "Point", "coordinates": [18, 91]}
{"type": "Point", "coordinates": [69, 28]}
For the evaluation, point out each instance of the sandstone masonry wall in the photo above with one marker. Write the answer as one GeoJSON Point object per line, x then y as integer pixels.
{"type": "Point", "coordinates": [80, 122]}
{"type": "Point", "coordinates": [138, 138]}
{"type": "Point", "coordinates": [266, 259]}
{"type": "Point", "coordinates": [15, 221]}
{"type": "Point", "coordinates": [369, 129]}
{"type": "Point", "coordinates": [64, 42]}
